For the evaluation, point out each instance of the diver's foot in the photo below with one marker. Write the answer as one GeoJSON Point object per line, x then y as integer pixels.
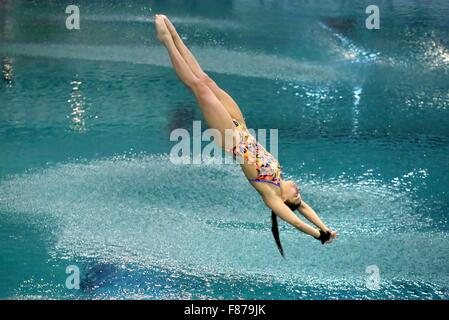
{"type": "Point", "coordinates": [171, 28]}
{"type": "Point", "coordinates": [162, 32]}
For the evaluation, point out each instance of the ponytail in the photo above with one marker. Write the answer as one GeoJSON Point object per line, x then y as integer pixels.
{"type": "Point", "coordinates": [275, 231]}
{"type": "Point", "coordinates": [275, 228]}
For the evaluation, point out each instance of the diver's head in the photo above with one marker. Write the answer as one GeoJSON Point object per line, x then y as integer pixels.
{"type": "Point", "coordinates": [290, 194]}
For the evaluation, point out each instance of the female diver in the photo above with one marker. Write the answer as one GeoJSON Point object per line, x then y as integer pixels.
{"type": "Point", "coordinates": [223, 114]}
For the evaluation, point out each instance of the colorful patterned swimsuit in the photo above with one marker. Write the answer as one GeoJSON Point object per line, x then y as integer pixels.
{"type": "Point", "coordinates": [252, 152]}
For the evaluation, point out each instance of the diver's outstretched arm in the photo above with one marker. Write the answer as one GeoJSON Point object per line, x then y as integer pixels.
{"type": "Point", "coordinates": [229, 103]}
{"type": "Point", "coordinates": [310, 214]}
{"type": "Point", "coordinates": [286, 214]}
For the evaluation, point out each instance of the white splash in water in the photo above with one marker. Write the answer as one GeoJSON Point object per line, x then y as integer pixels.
{"type": "Point", "coordinates": [349, 50]}
{"type": "Point", "coordinates": [355, 120]}
{"type": "Point", "coordinates": [203, 219]}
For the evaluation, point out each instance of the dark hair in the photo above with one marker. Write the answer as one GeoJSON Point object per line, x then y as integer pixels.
{"type": "Point", "coordinates": [274, 225]}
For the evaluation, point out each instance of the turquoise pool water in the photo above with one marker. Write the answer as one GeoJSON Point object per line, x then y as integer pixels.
{"type": "Point", "coordinates": [85, 177]}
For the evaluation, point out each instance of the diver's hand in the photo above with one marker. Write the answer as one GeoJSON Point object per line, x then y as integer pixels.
{"type": "Point", "coordinates": [333, 235]}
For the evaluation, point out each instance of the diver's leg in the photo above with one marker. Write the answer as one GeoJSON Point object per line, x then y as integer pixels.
{"type": "Point", "coordinates": [214, 112]}
{"type": "Point", "coordinates": [182, 70]}
{"type": "Point", "coordinates": [229, 103]}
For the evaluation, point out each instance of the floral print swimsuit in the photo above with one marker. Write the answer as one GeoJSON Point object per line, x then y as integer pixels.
{"type": "Point", "coordinates": [252, 152]}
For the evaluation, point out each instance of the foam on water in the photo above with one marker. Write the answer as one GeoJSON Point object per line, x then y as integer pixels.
{"type": "Point", "coordinates": [179, 20]}
{"type": "Point", "coordinates": [216, 59]}
{"type": "Point", "coordinates": [145, 211]}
